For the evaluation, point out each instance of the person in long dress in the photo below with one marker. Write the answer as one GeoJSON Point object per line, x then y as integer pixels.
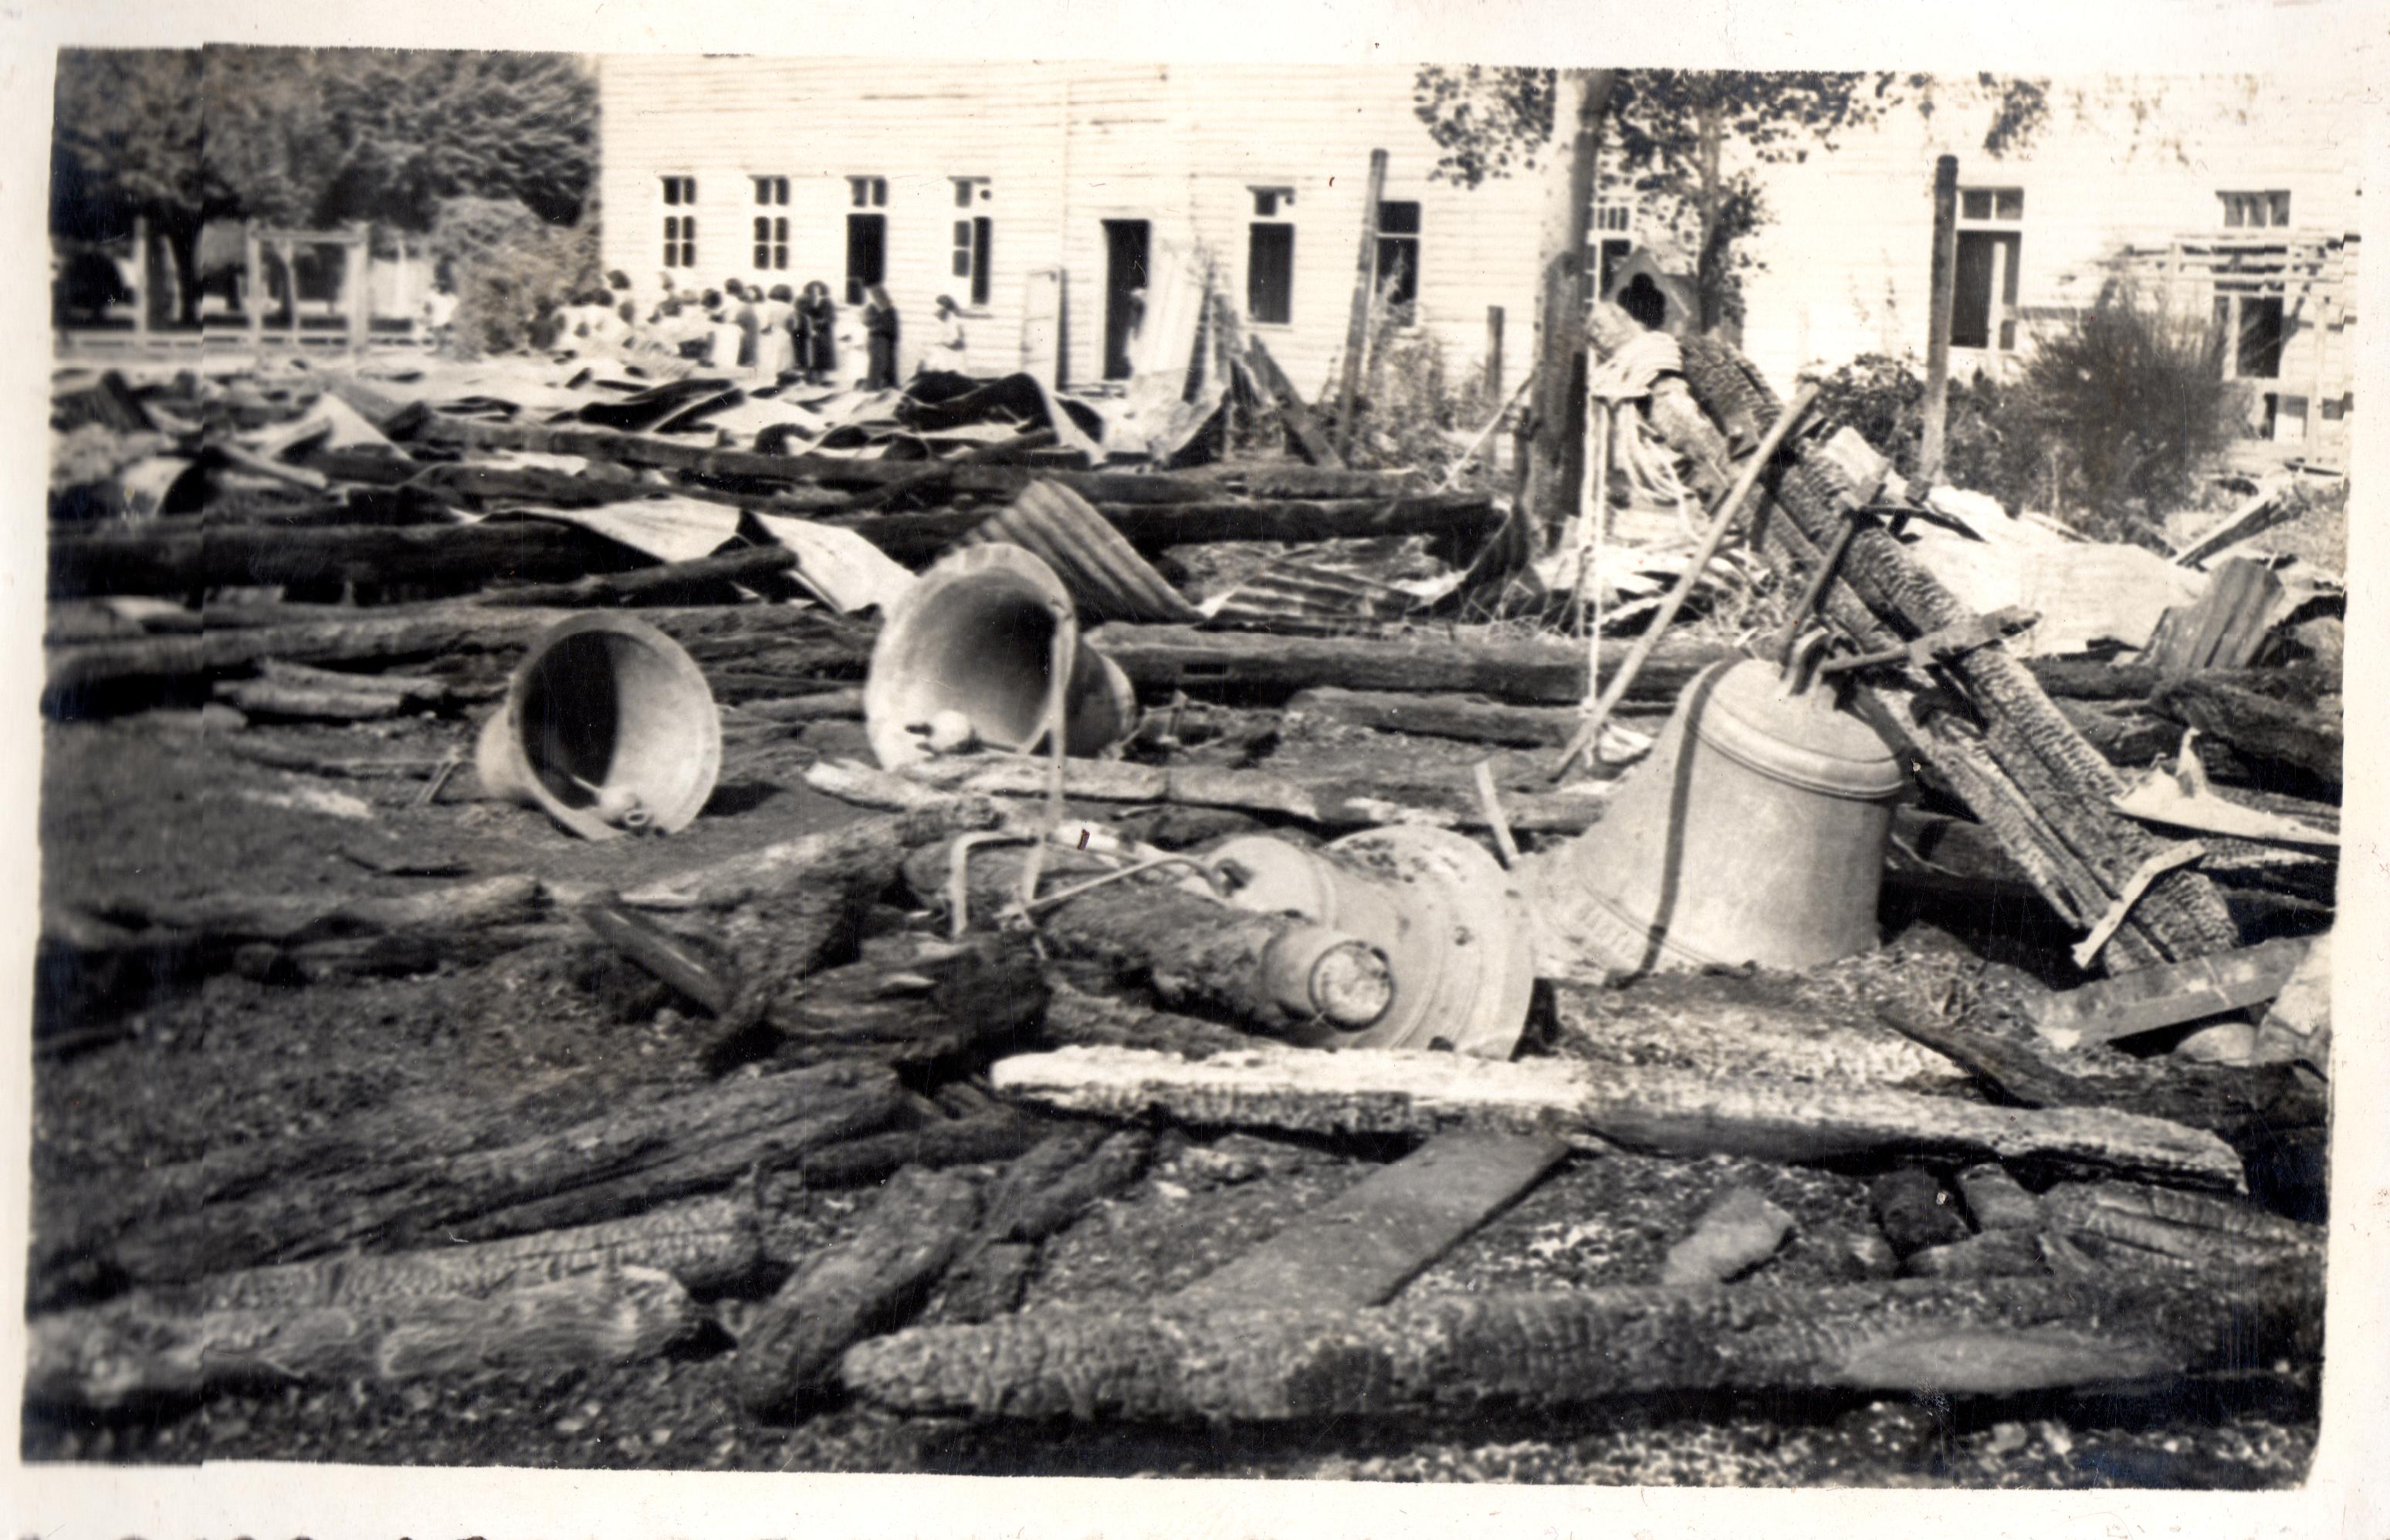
{"type": "Point", "coordinates": [879, 330]}
{"type": "Point", "coordinates": [948, 353]}
{"type": "Point", "coordinates": [775, 348]}
{"type": "Point", "coordinates": [816, 334]}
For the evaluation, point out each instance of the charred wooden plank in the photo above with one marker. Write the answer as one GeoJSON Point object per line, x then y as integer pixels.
{"type": "Point", "coordinates": [874, 1279]}
{"type": "Point", "coordinates": [1596, 1106]}
{"type": "Point", "coordinates": [1457, 1353]}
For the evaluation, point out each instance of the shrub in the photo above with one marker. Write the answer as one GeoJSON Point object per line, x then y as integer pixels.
{"type": "Point", "coordinates": [2110, 425]}
{"type": "Point", "coordinates": [508, 269]}
{"type": "Point", "coordinates": [2133, 405]}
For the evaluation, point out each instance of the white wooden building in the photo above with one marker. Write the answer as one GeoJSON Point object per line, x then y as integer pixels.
{"type": "Point", "coordinates": [1053, 201]}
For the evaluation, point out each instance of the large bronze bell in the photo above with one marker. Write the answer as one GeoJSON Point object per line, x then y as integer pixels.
{"type": "Point", "coordinates": [1754, 833]}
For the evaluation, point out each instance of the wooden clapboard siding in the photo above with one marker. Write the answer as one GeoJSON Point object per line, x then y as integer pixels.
{"type": "Point", "coordinates": [1840, 268]}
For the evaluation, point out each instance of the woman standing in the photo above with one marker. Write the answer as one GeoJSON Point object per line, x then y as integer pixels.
{"type": "Point", "coordinates": [816, 334]}
{"type": "Point", "coordinates": [879, 330]}
{"type": "Point", "coordinates": [776, 351]}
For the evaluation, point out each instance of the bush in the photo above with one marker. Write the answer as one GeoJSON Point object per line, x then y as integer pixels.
{"type": "Point", "coordinates": [2134, 404]}
{"type": "Point", "coordinates": [2110, 426]}
{"type": "Point", "coordinates": [509, 269]}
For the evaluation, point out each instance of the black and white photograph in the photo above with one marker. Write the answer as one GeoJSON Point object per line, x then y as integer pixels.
{"type": "Point", "coordinates": [1401, 768]}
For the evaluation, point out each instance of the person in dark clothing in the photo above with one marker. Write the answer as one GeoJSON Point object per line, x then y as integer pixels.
{"type": "Point", "coordinates": [816, 334]}
{"type": "Point", "coordinates": [879, 329]}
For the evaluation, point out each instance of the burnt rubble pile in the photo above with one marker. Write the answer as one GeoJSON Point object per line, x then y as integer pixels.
{"type": "Point", "coordinates": [994, 815]}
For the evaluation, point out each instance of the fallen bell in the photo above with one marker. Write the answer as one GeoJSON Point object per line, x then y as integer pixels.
{"type": "Point", "coordinates": [1450, 922]}
{"type": "Point", "coordinates": [608, 727]}
{"type": "Point", "coordinates": [975, 636]}
{"type": "Point", "coordinates": [1754, 833]}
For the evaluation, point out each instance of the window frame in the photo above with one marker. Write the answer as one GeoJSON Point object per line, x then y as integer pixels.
{"type": "Point", "coordinates": [1410, 241]}
{"type": "Point", "coordinates": [2272, 203]}
{"type": "Point", "coordinates": [1998, 213]}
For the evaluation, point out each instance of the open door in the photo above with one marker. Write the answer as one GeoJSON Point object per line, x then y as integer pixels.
{"type": "Point", "coordinates": [1127, 247]}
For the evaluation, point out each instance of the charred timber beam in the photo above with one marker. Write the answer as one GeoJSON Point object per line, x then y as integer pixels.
{"type": "Point", "coordinates": [1163, 657]}
{"type": "Point", "coordinates": [920, 537]}
{"type": "Point", "coordinates": [1459, 1353]}
{"type": "Point", "coordinates": [1665, 1112]}
{"type": "Point", "coordinates": [981, 480]}
{"type": "Point", "coordinates": [148, 559]}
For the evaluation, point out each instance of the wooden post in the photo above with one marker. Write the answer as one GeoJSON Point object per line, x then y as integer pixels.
{"type": "Point", "coordinates": [356, 283]}
{"type": "Point", "coordinates": [252, 300]}
{"type": "Point", "coordinates": [1493, 354]}
{"type": "Point", "coordinates": [141, 284]}
{"type": "Point", "coordinates": [1356, 331]}
{"type": "Point", "coordinates": [1557, 446]}
{"type": "Point", "coordinates": [1945, 277]}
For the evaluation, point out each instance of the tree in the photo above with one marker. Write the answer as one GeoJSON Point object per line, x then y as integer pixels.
{"type": "Point", "coordinates": [1691, 141]}
{"type": "Point", "coordinates": [313, 138]}
{"type": "Point", "coordinates": [127, 144]}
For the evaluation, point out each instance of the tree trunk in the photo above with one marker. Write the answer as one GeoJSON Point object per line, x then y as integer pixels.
{"type": "Point", "coordinates": [181, 235]}
{"type": "Point", "coordinates": [1555, 449]}
{"type": "Point", "coordinates": [1459, 1353]}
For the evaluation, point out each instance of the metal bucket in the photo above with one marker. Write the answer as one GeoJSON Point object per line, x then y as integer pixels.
{"type": "Point", "coordinates": [975, 636]}
{"type": "Point", "coordinates": [1451, 923]}
{"type": "Point", "coordinates": [1755, 832]}
{"type": "Point", "coordinates": [609, 726]}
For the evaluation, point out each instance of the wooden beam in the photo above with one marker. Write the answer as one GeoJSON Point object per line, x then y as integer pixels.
{"type": "Point", "coordinates": [1360, 1248]}
{"type": "Point", "coordinates": [1357, 330]}
{"type": "Point", "coordinates": [1595, 1107]}
{"type": "Point", "coordinates": [1451, 1354]}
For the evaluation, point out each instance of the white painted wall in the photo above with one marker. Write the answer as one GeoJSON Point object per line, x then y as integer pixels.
{"type": "Point", "coordinates": [1842, 264]}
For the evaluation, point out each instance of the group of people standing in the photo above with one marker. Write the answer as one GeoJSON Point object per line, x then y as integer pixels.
{"type": "Point", "coordinates": [741, 327]}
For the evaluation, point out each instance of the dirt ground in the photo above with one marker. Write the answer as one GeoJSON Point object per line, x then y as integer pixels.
{"type": "Point", "coordinates": [165, 806]}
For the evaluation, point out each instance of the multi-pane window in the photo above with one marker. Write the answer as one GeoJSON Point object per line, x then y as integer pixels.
{"type": "Point", "coordinates": [680, 230]}
{"type": "Point", "coordinates": [867, 192]}
{"type": "Point", "coordinates": [2256, 211]}
{"type": "Point", "coordinates": [1270, 258]}
{"type": "Point", "coordinates": [1982, 311]}
{"type": "Point", "coordinates": [1398, 252]}
{"type": "Point", "coordinates": [771, 242]}
{"type": "Point", "coordinates": [975, 237]}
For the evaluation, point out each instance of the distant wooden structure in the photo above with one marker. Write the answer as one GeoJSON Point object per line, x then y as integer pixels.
{"type": "Point", "coordinates": [356, 296]}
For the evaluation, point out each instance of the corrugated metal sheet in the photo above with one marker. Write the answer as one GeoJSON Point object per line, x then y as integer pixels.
{"type": "Point", "coordinates": [1107, 579]}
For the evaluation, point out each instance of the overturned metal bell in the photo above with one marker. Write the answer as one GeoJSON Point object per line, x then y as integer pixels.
{"type": "Point", "coordinates": [975, 636]}
{"type": "Point", "coordinates": [1451, 923]}
{"type": "Point", "coordinates": [1754, 833]}
{"type": "Point", "coordinates": [608, 727]}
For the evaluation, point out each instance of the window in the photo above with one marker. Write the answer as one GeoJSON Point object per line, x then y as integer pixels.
{"type": "Point", "coordinates": [971, 189]}
{"type": "Point", "coordinates": [1613, 219]}
{"type": "Point", "coordinates": [2256, 211]}
{"type": "Point", "coordinates": [771, 191]}
{"type": "Point", "coordinates": [1398, 252]}
{"type": "Point", "coordinates": [771, 243]}
{"type": "Point", "coordinates": [2252, 328]}
{"type": "Point", "coordinates": [867, 192]}
{"type": "Point", "coordinates": [1982, 311]}
{"type": "Point", "coordinates": [680, 230]}
{"type": "Point", "coordinates": [867, 253]}
{"type": "Point", "coordinates": [973, 238]}
{"type": "Point", "coordinates": [1270, 258]}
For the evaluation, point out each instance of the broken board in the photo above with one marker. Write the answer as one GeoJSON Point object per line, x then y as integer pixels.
{"type": "Point", "coordinates": [1362, 1248]}
{"type": "Point", "coordinates": [2148, 998]}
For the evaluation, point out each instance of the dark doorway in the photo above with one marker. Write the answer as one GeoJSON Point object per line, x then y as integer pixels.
{"type": "Point", "coordinates": [1986, 285]}
{"type": "Point", "coordinates": [867, 253]}
{"type": "Point", "coordinates": [1127, 245]}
